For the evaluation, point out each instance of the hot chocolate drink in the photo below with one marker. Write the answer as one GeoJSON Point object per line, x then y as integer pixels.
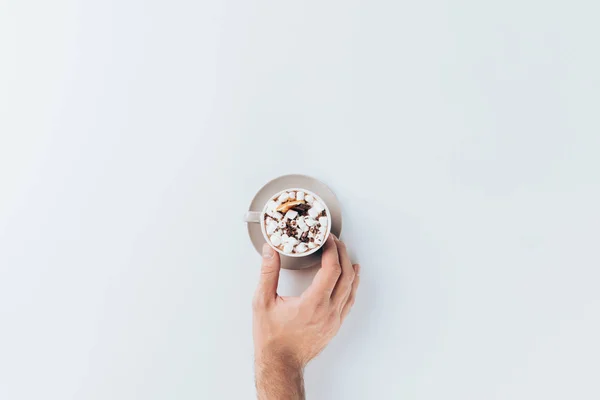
{"type": "Point", "coordinates": [296, 222]}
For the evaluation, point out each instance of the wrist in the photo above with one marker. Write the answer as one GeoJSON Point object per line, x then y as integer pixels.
{"type": "Point", "coordinates": [278, 374]}
{"type": "Point", "coordinates": [277, 359]}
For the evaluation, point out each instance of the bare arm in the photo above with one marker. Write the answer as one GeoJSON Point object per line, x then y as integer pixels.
{"type": "Point", "coordinates": [278, 376]}
{"type": "Point", "coordinates": [291, 331]}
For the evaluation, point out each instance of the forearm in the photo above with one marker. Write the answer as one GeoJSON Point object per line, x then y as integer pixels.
{"type": "Point", "coordinates": [279, 378]}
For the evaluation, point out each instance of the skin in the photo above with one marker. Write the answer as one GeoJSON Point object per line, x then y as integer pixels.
{"type": "Point", "coordinates": [290, 331]}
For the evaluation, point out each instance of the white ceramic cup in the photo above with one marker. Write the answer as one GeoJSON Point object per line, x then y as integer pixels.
{"type": "Point", "coordinates": [259, 217]}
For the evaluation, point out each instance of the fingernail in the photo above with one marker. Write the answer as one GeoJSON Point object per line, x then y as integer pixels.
{"type": "Point", "coordinates": [267, 251]}
{"type": "Point", "coordinates": [357, 269]}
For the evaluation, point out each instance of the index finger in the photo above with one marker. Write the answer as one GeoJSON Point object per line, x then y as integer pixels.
{"type": "Point", "coordinates": [325, 280]}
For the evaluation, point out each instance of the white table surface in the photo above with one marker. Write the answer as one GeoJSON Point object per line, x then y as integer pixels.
{"type": "Point", "coordinates": [462, 139]}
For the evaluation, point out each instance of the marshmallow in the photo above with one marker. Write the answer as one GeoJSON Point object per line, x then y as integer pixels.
{"type": "Point", "coordinates": [275, 214]}
{"type": "Point", "coordinates": [271, 227]}
{"type": "Point", "coordinates": [275, 240]}
{"type": "Point", "coordinates": [301, 248]}
{"type": "Point", "coordinates": [309, 199]}
{"type": "Point", "coordinates": [281, 224]}
{"type": "Point", "coordinates": [312, 245]}
{"type": "Point", "coordinates": [284, 196]}
{"type": "Point", "coordinates": [310, 221]}
{"type": "Point", "coordinates": [292, 240]}
{"type": "Point", "coordinates": [291, 214]}
{"type": "Point", "coordinates": [272, 206]}
{"type": "Point", "coordinates": [288, 248]}
{"type": "Point", "coordinates": [323, 221]}
{"type": "Point", "coordinates": [300, 196]}
{"type": "Point", "coordinates": [313, 212]}
{"type": "Point", "coordinates": [318, 205]}
{"type": "Point", "coordinates": [319, 238]}
{"type": "Point", "coordinates": [292, 195]}
{"type": "Point", "coordinates": [302, 225]}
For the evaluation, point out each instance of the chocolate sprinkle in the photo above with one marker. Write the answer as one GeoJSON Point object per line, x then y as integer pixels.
{"type": "Point", "coordinates": [304, 237]}
{"type": "Point", "coordinates": [323, 213]}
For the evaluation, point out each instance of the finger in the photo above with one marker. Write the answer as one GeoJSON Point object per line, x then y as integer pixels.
{"type": "Point", "coordinates": [269, 275]}
{"type": "Point", "coordinates": [326, 278]}
{"type": "Point", "coordinates": [352, 297]}
{"type": "Point", "coordinates": [344, 284]}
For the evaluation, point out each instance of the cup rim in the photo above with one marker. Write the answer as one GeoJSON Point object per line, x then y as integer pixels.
{"type": "Point", "coordinates": [266, 237]}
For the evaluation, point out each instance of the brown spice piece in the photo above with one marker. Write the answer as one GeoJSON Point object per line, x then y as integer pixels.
{"type": "Point", "coordinates": [283, 208]}
{"type": "Point", "coordinates": [312, 239]}
{"type": "Point", "coordinates": [323, 213]}
{"type": "Point", "coordinates": [290, 231]}
{"type": "Point", "coordinates": [304, 237]}
{"type": "Point", "coordinates": [302, 209]}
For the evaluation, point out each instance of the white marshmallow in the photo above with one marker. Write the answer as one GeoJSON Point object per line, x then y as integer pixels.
{"type": "Point", "coordinates": [275, 214]}
{"type": "Point", "coordinates": [301, 248]}
{"type": "Point", "coordinates": [281, 224]}
{"type": "Point", "coordinates": [275, 240]}
{"type": "Point", "coordinates": [284, 196]}
{"type": "Point", "coordinates": [313, 212]}
{"type": "Point", "coordinates": [323, 221]}
{"type": "Point", "coordinates": [271, 205]}
{"type": "Point", "coordinates": [310, 221]}
{"type": "Point", "coordinates": [318, 241]}
{"type": "Point", "coordinates": [291, 214]}
{"type": "Point", "coordinates": [302, 225]}
{"type": "Point", "coordinates": [271, 227]}
{"type": "Point", "coordinates": [311, 245]}
{"type": "Point", "coordinates": [292, 195]}
{"type": "Point", "coordinates": [288, 248]}
{"type": "Point", "coordinates": [318, 205]}
{"type": "Point", "coordinates": [300, 196]}
{"type": "Point", "coordinates": [292, 240]}
{"type": "Point", "coordinates": [309, 199]}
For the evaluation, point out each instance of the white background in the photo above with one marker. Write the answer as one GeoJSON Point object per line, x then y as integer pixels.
{"type": "Point", "coordinates": [462, 138]}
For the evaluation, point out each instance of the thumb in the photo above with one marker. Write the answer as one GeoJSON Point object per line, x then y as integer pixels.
{"type": "Point", "coordinates": [269, 273]}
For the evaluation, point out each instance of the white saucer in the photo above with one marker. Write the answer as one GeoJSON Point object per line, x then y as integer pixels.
{"type": "Point", "coordinates": [294, 181]}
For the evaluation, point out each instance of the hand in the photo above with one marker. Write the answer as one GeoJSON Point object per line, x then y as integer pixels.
{"type": "Point", "coordinates": [291, 331]}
